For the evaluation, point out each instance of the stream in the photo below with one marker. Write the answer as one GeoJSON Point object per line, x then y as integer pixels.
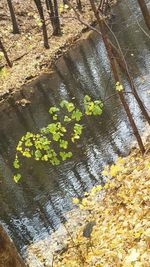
{"type": "Point", "coordinates": [34, 208]}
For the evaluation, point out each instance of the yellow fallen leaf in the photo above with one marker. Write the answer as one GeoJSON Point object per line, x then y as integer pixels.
{"type": "Point", "coordinates": [105, 173]}
{"type": "Point", "coordinates": [75, 201]}
{"type": "Point", "coordinates": [132, 257]}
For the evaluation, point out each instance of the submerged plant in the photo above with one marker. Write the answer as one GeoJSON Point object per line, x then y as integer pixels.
{"type": "Point", "coordinates": [52, 142]}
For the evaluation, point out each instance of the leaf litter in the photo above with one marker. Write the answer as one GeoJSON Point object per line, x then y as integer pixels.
{"type": "Point", "coordinates": [110, 227]}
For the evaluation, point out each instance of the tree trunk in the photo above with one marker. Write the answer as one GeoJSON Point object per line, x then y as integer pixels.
{"type": "Point", "coordinates": [79, 5]}
{"type": "Point", "coordinates": [103, 6]}
{"type": "Point", "coordinates": [5, 54]}
{"type": "Point", "coordinates": [116, 75]}
{"type": "Point", "coordinates": [13, 17]}
{"type": "Point", "coordinates": [9, 256]}
{"type": "Point", "coordinates": [145, 12]}
{"type": "Point", "coordinates": [50, 9]}
{"type": "Point", "coordinates": [54, 16]}
{"type": "Point", "coordinates": [57, 30]}
{"type": "Point", "coordinates": [41, 13]}
{"type": "Point", "coordinates": [65, 2]}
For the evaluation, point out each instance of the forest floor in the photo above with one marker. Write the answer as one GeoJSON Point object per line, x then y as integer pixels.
{"type": "Point", "coordinates": [26, 50]}
{"type": "Point", "coordinates": [111, 224]}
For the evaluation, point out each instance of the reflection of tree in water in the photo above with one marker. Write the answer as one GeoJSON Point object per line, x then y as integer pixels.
{"type": "Point", "coordinates": [103, 68]}
{"type": "Point", "coordinates": [66, 81]}
{"type": "Point", "coordinates": [48, 95]}
{"type": "Point", "coordinates": [79, 89]}
{"type": "Point", "coordinates": [20, 115]}
{"type": "Point", "coordinates": [27, 109]}
{"type": "Point", "coordinates": [91, 71]}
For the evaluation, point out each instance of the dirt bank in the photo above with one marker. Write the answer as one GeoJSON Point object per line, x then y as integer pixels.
{"type": "Point", "coordinates": [26, 50]}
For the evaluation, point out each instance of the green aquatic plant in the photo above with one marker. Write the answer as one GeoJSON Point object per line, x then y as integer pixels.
{"type": "Point", "coordinates": [52, 143]}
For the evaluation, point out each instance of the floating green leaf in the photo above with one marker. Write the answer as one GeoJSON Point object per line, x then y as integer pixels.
{"type": "Point", "coordinates": [39, 145]}
{"type": "Point", "coordinates": [17, 177]}
{"type": "Point", "coordinates": [55, 117]}
{"type": "Point", "coordinates": [53, 110]}
{"type": "Point", "coordinates": [67, 119]}
{"type": "Point", "coordinates": [65, 155]}
{"type": "Point", "coordinates": [16, 163]}
{"type": "Point", "coordinates": [38, 154]}
{"type": "Point", "coordinates": [77, 115]}
{"type": "Point", "coordinates": [63, 144]}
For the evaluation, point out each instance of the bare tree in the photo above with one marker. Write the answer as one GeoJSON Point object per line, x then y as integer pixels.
{"type": "Point", "coordinates": [124, 67]}
{"type": "Point", "coordinates": [116, 75]}
{"type": "Point", "coordinates": [145, 12]}
{"type": "Point", "coordinates": [41, 14]}
{"type": "Point", "coordinates": [13, 17]}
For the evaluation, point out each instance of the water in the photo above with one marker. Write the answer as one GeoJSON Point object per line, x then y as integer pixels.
{"type": "Point", "coordinates": [34, 208]}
